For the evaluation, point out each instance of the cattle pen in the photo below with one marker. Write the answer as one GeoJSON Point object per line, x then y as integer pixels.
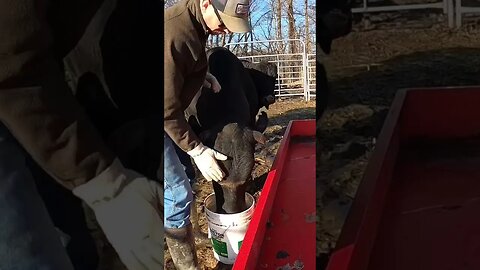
{"type": "Point", "coordinates": [280, 114]}
{"type": "Point", "coordinates": [296, 70]}
{"type": "Point", "coordinates": [295, 100]}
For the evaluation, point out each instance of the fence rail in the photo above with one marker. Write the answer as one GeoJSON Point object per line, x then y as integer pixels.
{"type": "Point", "coordinates": [460, 10]}
{"type": "Point", "coordinates": [294, 69]}
{"type": "Point", "coordinates": [445, 5]}
{"type": "Point", "coordinates": [312, 75]}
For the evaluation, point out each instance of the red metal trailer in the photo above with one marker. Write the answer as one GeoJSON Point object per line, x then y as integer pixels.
{"type": "Point", "coordinates": [282, 230]}
{"type": "Point", "coordinates": [418, 206]}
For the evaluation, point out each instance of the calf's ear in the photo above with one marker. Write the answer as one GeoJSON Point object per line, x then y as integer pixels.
{"type": "Point", "coordinates": [270, 99]}
{"type": "Point", "coordinates": [259, 137]}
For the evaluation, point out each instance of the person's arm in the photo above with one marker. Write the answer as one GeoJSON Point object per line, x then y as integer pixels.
{"type": "Point", "coordinates": [176, 57]}
{"type": "Point", "coordinates": [36, 104]}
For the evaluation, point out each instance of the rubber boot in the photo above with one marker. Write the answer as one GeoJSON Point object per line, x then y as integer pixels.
{"type": "Point", "coordinates": [181, 244]}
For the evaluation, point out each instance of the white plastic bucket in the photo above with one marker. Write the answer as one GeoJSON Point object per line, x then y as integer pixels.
{"type": "Point", "coordinates": [227, 230]}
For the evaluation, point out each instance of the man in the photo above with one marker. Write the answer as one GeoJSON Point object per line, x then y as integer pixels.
{"type": "Point", "coordinates": [40, 117]}
{"type": "Point", "coordinates": [187, 26]}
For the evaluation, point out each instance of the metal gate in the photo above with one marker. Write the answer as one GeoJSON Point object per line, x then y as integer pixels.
{"type": "Point", "coordinates": [445, 5]}
{"type": "Point", "coordinates": [294, 72]}
{"type": "Point", "coordinates": [460, 10]}
{"type": "Point", "coordinates": [312, 75]}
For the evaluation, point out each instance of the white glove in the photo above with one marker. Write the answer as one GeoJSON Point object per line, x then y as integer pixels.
{"type": "Point", "coordinates": [206, 160]}
{"type": "Point", "coordinates": [129, 209]}
{"type": "Point", "coordinates": [212, 83]}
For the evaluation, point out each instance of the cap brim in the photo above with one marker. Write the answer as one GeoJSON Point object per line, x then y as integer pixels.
{"type": "Point", "coordinates": [235, 24]}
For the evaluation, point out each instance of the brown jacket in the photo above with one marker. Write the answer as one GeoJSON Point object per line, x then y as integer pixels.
{"type": "Point", "coordinates": [185, 68]}
{"type": "Point", "coordinates": [36, 105]}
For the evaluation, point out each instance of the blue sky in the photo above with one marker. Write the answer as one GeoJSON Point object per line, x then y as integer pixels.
{"type": "Point", "coordinates": [262, 8]}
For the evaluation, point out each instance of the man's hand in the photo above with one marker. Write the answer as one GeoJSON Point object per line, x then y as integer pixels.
{"type": "Point", "coordinates": [129, 209]}
{"type": "Point", "coordinates": [212, 83]}
{"type": "Point", "coordinates": [206, 160]}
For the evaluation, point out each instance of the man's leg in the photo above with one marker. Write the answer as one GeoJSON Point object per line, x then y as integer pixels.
{"type": "Point", "coordinates": [177, 203]}
{"type": "Point", "coordinates": [28, 239]}
{"type": "Point", "coordinates": [200, 237]}
{"type": "Point", "coordinates": [186, 162]}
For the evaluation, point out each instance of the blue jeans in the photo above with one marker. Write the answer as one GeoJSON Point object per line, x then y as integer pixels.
{"type": "Point", "coordinates": [186, 162]}
{"type": "Point", "coordinates": [178, 191]}
{"type": "Point", "coordinates": [28, 239]}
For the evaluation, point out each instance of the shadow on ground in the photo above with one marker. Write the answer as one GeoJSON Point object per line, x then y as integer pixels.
{"type": "Point", "coordinates": [358, 106]}
{"type": "Point", "coordinates": [444, 67]}
{"type": "Point", "coordinates": [294, 114]}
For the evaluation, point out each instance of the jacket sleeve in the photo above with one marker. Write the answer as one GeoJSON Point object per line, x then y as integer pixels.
{"type": "Point", "coordinates": [176, 59]}
{"type": "Point", "coordinates": [36, 104]}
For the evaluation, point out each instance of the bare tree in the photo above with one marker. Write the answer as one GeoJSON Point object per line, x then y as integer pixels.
{"type": "Point", "coordinates": [291, 25]}
{"type": "Point", "coordinates": [275, 19]}
{"type": "Point", "coordinates": [307, 28]}
{"type": "Point", "coordinates": [279, 22]}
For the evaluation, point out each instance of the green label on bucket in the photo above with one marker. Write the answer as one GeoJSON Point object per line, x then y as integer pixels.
{"type": "Point", "coordinates": [220, 247]}
{"type": "Point", "coordinates": [239, 244]}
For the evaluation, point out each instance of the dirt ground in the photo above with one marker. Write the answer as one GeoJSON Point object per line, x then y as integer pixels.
{"type": "Point", "coordinates": [385, 53]}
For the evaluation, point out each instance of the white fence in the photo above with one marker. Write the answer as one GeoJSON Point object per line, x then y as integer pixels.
{"type": "Point", "coordinates": [445, 5]}
{"type": "Point", "coordinates": [454, 9]}
{"type": "Point", "coordinates": [460, 10]}
{"type": "Point", "coordinates": [294, 69]}
{"type": "Point", "coordinates": [312, 75]}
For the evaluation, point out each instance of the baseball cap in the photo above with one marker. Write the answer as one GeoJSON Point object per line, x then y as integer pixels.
{"type": "Point", "coordinates": [234, 14]}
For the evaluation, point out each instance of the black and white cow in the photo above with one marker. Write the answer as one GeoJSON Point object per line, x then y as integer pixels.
{"type": "Point", "coordinates": [264, 76]}
{"type": "Point", "coordinates": [228, 122]}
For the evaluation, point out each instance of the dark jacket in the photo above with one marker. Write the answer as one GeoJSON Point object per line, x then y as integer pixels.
{"type": "Point", "coordinates": [35, 102]}
{"type": "Point", "coordinates": [185, 68]}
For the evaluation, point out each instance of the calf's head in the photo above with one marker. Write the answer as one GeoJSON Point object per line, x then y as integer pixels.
{"type": "Point", "coordinates": [238, 143]}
